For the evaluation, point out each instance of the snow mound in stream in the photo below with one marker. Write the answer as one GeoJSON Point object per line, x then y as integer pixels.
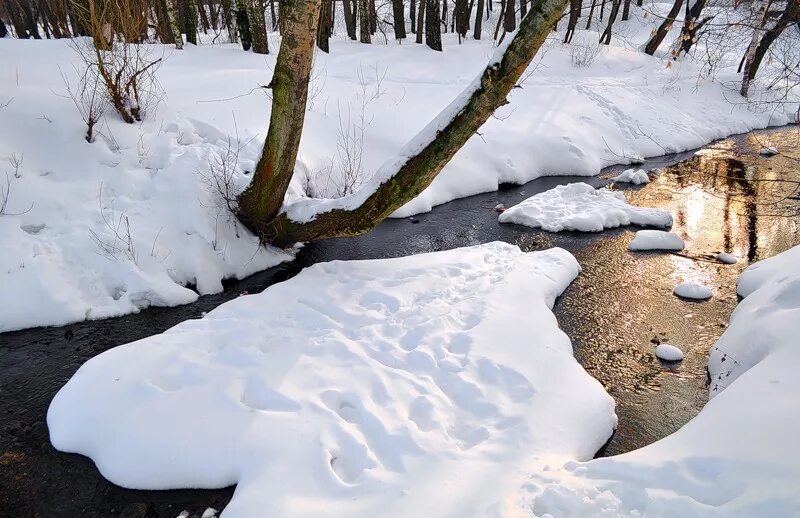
{"type": "Point", "coordinates": [691, 290]}
{"type": "Point", "coordinates": [351, 389]}
{"type": "Point", "coordinates": [634, 176]}
{"type": "Point", "coordinates": [739, 456]}
{"type": "Point", "coordinates": [645, 240]}
{"type": "Point", "coordinates": [579, 206]}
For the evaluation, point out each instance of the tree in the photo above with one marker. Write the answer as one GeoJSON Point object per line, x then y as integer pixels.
{"type": "Point", "coordinates": [190, 21]}
{"type": "Point", "coordinates": [461, 17]}
{"type": "Point", "coordinates": [171, 29]}
{"type": "Point", "coordinates": [243, 26]}
{"type": "Point", "coordinates": [3, 30]}
{"type": "Point", "coordinates": [606, 36]}
{"type": "Point", "coordinates": [433, 29]}
{"type": "Point", "coordinates": [399, 19]}
{"type": "Point", "coordinates": [420, 20]}
{"type": "Point", "coordinates": [260, 204]}
{"type": "Point", "coordinates": [789, 17]}
{"type": "Point", "coordinates": [349, 18]}
{"type": "Point", "coordinates": [691, 28]}
{"type": "Point", "coordinates": [324, 28]}
{"type": "Point", "coordinates": [478, 20]}
{"type": "Point", "coordinates": [363, 22]}
{"type": "Point", "coordinates": [658, 36]}
{"type": "Point", "coordinates": [510, 16]}
{"type": "Point", "coordinates": [575, 7]}
{"type": "Point", "coordinates": [412, 15]}
{"type": "Point", "coordinates": [762, 10]}
{"type": "Point", "coordinates": [258, 25]}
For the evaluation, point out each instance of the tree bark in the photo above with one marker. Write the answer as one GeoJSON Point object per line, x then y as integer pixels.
{"type": "Point", "coordinates": [363, 19]}
{"type": "Point", "coordinates": [258, 26]}
{"type": "Point", "coordinates": [272, 16]}
{"type": "Point", "coordinates": [190, 21]}
{"type": "Point", "coordinates": [691, 26]}
{"type": "Point", "coordinates": [260, 202]}
{"type": "Point", "coordinates": [461, 18]}
{"type": "Point", "coordinates": [626, 10]}
{"type": "Point", "coordinates": [478, 20]}
{"type": "Point", "coordinates": [399, 18]}
{"type": "Point", "coordinates": [605, 38]}
{"type": "Point", "coordinates": [421, 20]}
{"type": "Point", "coordinates": [417, 172]}
{"type": "Point", "coordinates": [373, 17]}
{"type": "Point", "coordinates": [243, 26]}
{"type": "Point", "coordinates": [575, 7]}
{"type": "Point", "coordinates": [444, 14]}
{"type": "Point", "coordinates": [591, 13]}
{"type": "Point", "coordinates": [412, 15]}
{"type": "Point", "coordinates": [433, 29]}
{"type": "Point", "coordinates": [751, 49]}
{"type": "Point", "coordinates": [31, 27]}
{"type": "Point", "coordinates": [349, 18]}
{"type": "Point", "coordinates": [3, 29]}
{"type": "Point", "coordinates": [658, 36]}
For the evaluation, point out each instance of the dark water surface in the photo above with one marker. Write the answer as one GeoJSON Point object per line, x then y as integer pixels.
{"type": "Point", "coordinates": [622, 303]}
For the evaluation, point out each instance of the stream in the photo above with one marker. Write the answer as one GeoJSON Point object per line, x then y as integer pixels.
{"type": "Point", "coordinates": [723, 199]}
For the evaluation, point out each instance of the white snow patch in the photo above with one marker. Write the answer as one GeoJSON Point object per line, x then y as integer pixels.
{"type": "Point", "coordinates": [656, 240]}
{"type": "Point", "coordinates": [669, 353]}
{"type": "Point", "coordinates": [769, 151]}
{"type": "Point", "coordinates": [727, 258]}
{"type": "Point", "coordinates": [405, 384]}
{"type": "Point", "coordinates": [579, 206]}
{"type": "Point", "coordinates": [634, 176]}
{"type": "Point", "coordinates": [738, 457]}
{"type": "Point", "coordinates": [691, 290]}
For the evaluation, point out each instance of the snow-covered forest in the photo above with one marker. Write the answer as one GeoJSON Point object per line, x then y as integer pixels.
{"type": "Point", "coordinates": [399, 258]}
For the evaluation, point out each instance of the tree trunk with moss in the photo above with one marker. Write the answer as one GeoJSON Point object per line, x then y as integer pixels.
{"type": "Point", "coordinates": [171, 20]}
{"type": "Point", "coordinates": [260, 203]}
{"type": "Point", "coordinates": [260, 211]}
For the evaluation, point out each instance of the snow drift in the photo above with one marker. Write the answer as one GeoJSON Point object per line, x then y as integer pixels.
{"type": "Point", "coordinates": [399, 389]}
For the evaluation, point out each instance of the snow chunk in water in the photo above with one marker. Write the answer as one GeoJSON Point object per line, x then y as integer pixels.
{"type": "Point", "coordinates": [656, 240]}
{"type": "Point", "coordinates": [725, 257]}
{"type": "Point", "coordinates": [352, 388]}
{"type": "Point", "coordinates": [690, 290]}
{"type": "Point", "coordinates": [579, 206]}
{"type": "Point", "coordinates": [769, 151]}
{"type": "Point", "coordinates": [669, 353]}
{"type": "Point", "coordinates": [634, 176]}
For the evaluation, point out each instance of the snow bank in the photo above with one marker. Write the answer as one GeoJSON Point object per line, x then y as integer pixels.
{"type": "Point", "coordinates": [691, 290]}
{"type": "Point", "coordinates": [669, 353]}
{"type": "Point", "coordinates": [404, 385]}
{"type": "Point", "coordinates": [738, 457]}
{"type": "Point", "coordinates": [579, 206]}
{"type": "Point", "coordinates": [634, 176]}
{"type": "Point", "coordinates": [656, 240]}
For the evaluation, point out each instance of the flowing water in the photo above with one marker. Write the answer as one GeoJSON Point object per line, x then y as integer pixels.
{"type": "Point", "coordinates": [726, 198]}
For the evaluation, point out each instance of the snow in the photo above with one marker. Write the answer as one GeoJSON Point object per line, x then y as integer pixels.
{"type": "Point", "coordinates": [656, 240]}
{"type": "Point", "coordinates": [579, 206]}
{"type": "Point", "coordinates": [565, 120]}
{"type": "Point", "coordinates": [769, 151]}
{"type": "Point", "coordinates": [691, 290]}
{"type": "Point", "coordinates": [634, 176]}
{"type": "Point", "coordinates": [726, 258]}
{"type": "Point", "coordinates": [738, 457]}
{"type": "Point", "coordinates": [669, 353]}
{"type": "Point", "coordinates": [405, 384]}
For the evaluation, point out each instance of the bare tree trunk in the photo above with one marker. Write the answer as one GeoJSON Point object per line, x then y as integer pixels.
{"type": "Point", "coordinates": [262, 200]}
{"type": "Point", "coordinates": [751, 49]}
{"type": "Point", "coordinates": [510, 17]}
{"type": "Point", "coordinates": [3, 29]}
{"type": "Point", "coordinates": [444, 14]}
{"type": "Point", "coordinates": [243, 26]}
{"type": "Point", "coordinates": [591, 12]}
{"type": "Point", "coordinates": [190, 21]}
{"type": "Point", "coordinates": [324, 27]}
{"type": "Point", "coordinates": [433, 29]}
{"type": "Point", "coordinates": [272, 16]}
{"type": "Point", "coordinates": [399, 19]}
{"type": "Point", "coordinates": [258, 26]}
{"type": "Point", "coordinates": [658, 36]}
{"type": "Point", "coordinates": [478, 21]}
{"type": "Point", "coordinates": [31, 27]}
{"type": "Point", "coordinates": [364, 23]}
{"type": "Point", "coordinates": [790, 16]}
{"type": "Point", "coordinates": [605, 38]}
{"type": "Point", "coordinates": [412, 15]}
{"type": "Point", "coordinates": [349, 18]}
{"type": "Point", "coordinates": [417, 172]}
{"type": "Point", "coordinates": [523, 8]}
{"type": "Point", "coordinates": [690, 29]}
{"type": "Point", "coordinates": [461, 18]}
{"type": "Point", "coordinates": [373, 17]}
{"type": "Point", "coordinates": [575, 7]}
{"type": "Point", "coordinates": [421, 20]}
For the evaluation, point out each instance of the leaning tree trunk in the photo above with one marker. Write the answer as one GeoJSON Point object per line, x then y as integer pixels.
{"type": "Point", "coordinates": [3, 30]}
{"type": "Point", "coordinates": [421, 20]}
{"type": "Point", "coordinates": [448, 133]}
{"type": "Point", "coordinates": [751, 49]}
{"type": "Point", "coordinates": [478, 21]}
{"type": "Point", "coordinates": [690, 29]}
{"type": "Point", "coordinates": [258, 26]}
{"type": "Point", "coordinates": [790, 16]}
{"type": "Point", "coordinates": [605, 38]}
{"type": "Point", "coordinates": [324, 27]}
{"type": "Point", "coordinates": [260, 202]}
{"type": "Point", "coordinates": [349, 18]}
{"type": "Point", "coordinates": [575, 7]}
{"type": "Point", "coordinates": [591, 13]}
{"type": "Point", "coordinates": [658, 36]}
{"type": "Point", "coordinates": [399, 19]}
{"type": "Point", "coordinates": [363, 22]}
{"type": "Point", "coordinates": [433, 30]}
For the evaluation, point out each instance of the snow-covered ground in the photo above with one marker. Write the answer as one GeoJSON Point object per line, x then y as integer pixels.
{"type": "Point", "coordinates": [128, 221]}
{"type": "Point", "coordinates": [581, 207]}
{"type": "Point", "coordinates": [739, 456]}
{"type": "Point", "coordinates": [419, 386]}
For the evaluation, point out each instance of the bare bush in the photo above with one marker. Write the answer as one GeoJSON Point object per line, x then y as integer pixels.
{"type": "Point", "coordinates": [583, 50]}
{"type": "Point", "coordinates": [120, 243]}
{"type": "Point", "coordinates": [5, 194]}
{"type": "Point", "coordinates": [15, 161]}
{"type": "Point", "coordinates": [87, 96]}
